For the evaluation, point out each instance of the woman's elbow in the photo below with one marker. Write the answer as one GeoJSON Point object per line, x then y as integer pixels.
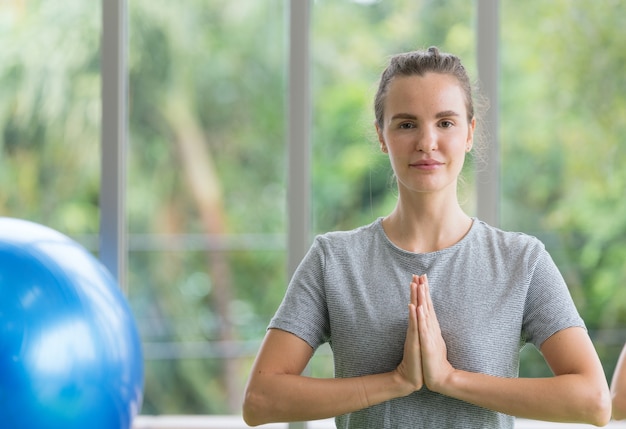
{"type": "Point", "coordinates": [250, 411]}
{"type": "Point", "coordinates": [598, 407]}
{"type": "Point", "coordinates": [253, 408]}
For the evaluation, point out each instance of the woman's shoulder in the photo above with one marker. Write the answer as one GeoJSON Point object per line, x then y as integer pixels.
{"type": "Point", "coordinates": [504, 238]}
{"type": "Point", "coordinates": [352, 237]}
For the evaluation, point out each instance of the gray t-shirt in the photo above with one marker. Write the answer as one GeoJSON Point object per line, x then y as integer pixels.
{"type": "Point", "coordinates": [493, 291]}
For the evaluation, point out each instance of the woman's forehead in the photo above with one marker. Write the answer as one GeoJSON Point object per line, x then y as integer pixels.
{"type": "Point", "coordinates": [434, 90]}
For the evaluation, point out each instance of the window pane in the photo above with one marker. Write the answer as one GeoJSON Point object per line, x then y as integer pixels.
{"type": "Point", "coordinates": [50, 115]}
{"type": "Point", "coordinates": [352, 183]}
{"type": "Point", "coordinates": [206, 194]}
{"type": "Point", "coordinates": [563, 151]}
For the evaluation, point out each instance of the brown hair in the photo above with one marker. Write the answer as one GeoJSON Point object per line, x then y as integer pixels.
{"type": "Point", "coordinates": [419, 63]}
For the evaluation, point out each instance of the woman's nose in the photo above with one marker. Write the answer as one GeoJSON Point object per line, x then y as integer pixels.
{"type": "Point", "coordinates": [426, 140]}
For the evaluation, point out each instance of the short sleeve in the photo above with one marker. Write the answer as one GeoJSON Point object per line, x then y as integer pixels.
{"type": "Point", "coordinates": [549, 306]}
{"type": "Point", "coordinates": [303, 311]}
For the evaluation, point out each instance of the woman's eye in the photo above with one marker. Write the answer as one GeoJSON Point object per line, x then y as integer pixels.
{"type": "Point", "coordinates": [446, 124]}
{"type": "Point", "coordinates": [407, 125]}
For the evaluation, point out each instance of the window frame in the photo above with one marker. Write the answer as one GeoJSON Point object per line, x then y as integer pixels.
{"type": "Point", "coordinates": [113, 247]}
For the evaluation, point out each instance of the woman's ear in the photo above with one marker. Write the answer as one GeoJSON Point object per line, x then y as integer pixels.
{"type": "Point", "coordinates": [470, 135]}
{"type": "Point", "coordinates": [381, 139]}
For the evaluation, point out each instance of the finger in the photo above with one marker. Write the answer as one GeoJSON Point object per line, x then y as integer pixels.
{"type": "Point", "coordinates": [411, 365]}
{"type": "Point", "coordinates": [421, 318]}
{"type": "Point", "coordinates": [428, 300]}
{"type": "Point", "coordinates": [413, 289]}
{"type": "Point", "coordinates": [428, 306]}
{"type": "Point", "coordinates": [413, 335]}
{"type": "Point", "coordinates": [413, 303]}
{"type": "Point", "coordinates": [422, 326]}
{"type": "Point", "coordinates": [413, 322]}
{"type": "Point", "coordinates": [422, 296]}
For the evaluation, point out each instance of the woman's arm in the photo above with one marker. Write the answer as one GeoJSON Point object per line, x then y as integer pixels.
{"type": "Point", "coordinates": [618, 387]}
{"type": "Point", "coordinates": [277, 392]}
{"type": "Point", "coordinates": [578, 392]}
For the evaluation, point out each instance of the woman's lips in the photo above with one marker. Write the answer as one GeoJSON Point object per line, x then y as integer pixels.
{"type": "Point", "coordinates": [427, 164]}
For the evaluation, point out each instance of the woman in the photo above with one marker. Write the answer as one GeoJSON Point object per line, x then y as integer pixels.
{"type": "Point", "coordinates": [475, 294]}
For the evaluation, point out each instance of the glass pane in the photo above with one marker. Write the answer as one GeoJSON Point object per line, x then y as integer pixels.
{"type": "Point", "coordinates": [206, 194]}
{"type": "Point", "coordinates": [563, 151]}
{"type": "Point", "coordinates": [50, 115]}
{"type": "Point", "coordinates": [352, 178]}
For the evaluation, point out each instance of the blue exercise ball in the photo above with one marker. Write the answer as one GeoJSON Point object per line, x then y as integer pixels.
{"type": "Point", "coordinates": [70, 353]}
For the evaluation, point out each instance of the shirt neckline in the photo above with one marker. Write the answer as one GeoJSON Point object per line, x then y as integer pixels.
{"type": "Point", "coordinates": [466, 238]}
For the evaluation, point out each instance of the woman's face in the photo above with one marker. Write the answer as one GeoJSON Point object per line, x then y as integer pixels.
{"type": "Point", "coordinates": [426, 132]}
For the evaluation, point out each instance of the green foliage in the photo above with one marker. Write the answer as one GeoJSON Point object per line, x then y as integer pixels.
{"type": "Point", "coordinates": [49, 114]}
{"type": "Point", "coordinates": [352, 181]}
{"type": "Point", "coordinates": [563, 148]}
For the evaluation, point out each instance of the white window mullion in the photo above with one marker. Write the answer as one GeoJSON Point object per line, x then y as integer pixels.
{"type": "Point", "coordinates": [299, 144]}
{"type": "Point", "coordinates": [114, 76]}
{"type": "Point", "coordinates": [488, 177]}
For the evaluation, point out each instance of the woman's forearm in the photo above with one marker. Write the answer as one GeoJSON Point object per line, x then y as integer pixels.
{"type": "Point", "coordinates": [285, 397]}
{"type": "Point", "coordinates": [563, 398]}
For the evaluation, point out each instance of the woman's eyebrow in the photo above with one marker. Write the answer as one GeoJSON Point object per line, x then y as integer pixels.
{"type": "Point", "coordinates": [446, 114]}
{"type": "Point", "coordinates": [403, 116]}
{"type": "Point", "coordinates": [442, 114]}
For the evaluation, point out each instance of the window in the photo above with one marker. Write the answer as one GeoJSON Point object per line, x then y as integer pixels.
{"type": "Point", "coordinates": [563, 153]}
{"type": "Point", "coordinates": [207, 174]}
{"type": "Point", "coordinates": [50, 115]}
{"type": "Point", "coordinates": [352, 181]}
{"type": "Point", "coordinates": [206, 194]}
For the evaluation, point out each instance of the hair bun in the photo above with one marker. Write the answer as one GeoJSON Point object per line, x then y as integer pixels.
{"type": "Point", "coordinates": [434, 51]}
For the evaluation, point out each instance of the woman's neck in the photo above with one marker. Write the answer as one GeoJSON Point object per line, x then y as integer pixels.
{"type": "Point", "coordinates": [422, 227]}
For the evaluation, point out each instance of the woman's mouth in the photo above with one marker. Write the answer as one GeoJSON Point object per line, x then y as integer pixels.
{"type": "Point", "coordinates": [426, 164]}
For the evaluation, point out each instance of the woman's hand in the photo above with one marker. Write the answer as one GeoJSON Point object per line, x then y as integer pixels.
{"type": "Point", "coordinates": [410, 369]}
{"type": "Point", "coordinates": [435, 365]}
